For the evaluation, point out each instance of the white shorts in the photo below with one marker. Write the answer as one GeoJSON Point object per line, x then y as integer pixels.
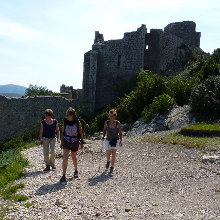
{"type": "Point", "coordinates": [109, 147]}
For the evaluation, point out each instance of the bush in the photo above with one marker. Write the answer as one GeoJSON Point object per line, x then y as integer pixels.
{"type": "Point", "coordinates": [205, 98]}
{"type": "Point", "coordinates": [99, 121]}
{"type": "Point", "coordinates": [180, 88]}
{"type": "Point", "coordinates": [149, 85]}
{"type": "Point", "coordinates": [216, 55]}
{"type": "Point", "coordinates": [160, 105]}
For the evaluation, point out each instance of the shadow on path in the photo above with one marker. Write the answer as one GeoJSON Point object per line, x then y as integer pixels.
{"type": "Point", "coordinates": [33, 173]}
{"type": "Point", "coordinates": [105, 176]}
{"type": "Point", "coordinates": [43, 190]}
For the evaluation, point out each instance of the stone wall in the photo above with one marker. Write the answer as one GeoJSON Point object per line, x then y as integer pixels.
{"type": "Point", "coordinates": [17, 114]}
{"type": "Point", "coordinates": [114, 61]}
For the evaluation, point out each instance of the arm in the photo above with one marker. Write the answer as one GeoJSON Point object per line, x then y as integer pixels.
{"type": "Point", "coordinates": [61, 146]}
{"type": "Point", "coordinates": [58, 132]}
{"type": "Point", "coordinates": [104, 132]}
{"type": "Point", "coordinates": [81, 134]}
{"type": "Point", "coordinates": [41, 133]}
{"type": "Point", "coordinates": [120, 133]}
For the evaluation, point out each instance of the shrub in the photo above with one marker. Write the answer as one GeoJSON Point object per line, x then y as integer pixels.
{"type": "Point", "coordinates": [149, 85]}
{"type": "Point", "coordinates": [160, 105]}
{"type": "Point", "coordinates": [210, 68]}
{"type": "Point", "coordinates": [205, 98]}
{"type": "Point", "coordinates": [99, 121]}
{"type": "Point", "coordinates": [180, 88]}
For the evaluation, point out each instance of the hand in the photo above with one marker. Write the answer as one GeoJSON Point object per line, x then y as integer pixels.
{"type": "Point", "coordinates": [41, 142]}
{"type": "Point", "coordinates": [58, 141]}
{"type": "Point", "coordinates": [103, 138]}
{"type": "Point", "coordinates": [61, 146]}
{"type": "Point", "coordinates": [120, 143]}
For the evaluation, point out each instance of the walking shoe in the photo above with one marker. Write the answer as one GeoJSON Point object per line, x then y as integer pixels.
{"type": "Point", "coordinates": [47, 168]}
{"type": "Point", "coordinates": [53, 167]}
{"type": "Point", "coordinates": [76, 174]}
{"type": "Point", "coordinates": [63, 179]}
{"type": "Point", "coordinates": [107, 164]}
{"type": "Point", "coordinates": [111, 169]}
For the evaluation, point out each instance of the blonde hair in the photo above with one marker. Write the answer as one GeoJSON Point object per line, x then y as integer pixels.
{"type": "Point", "coordinates": [71, 111]}
{"type": "Point", "coordinates": [48, 112]}
{"type": "Point", "coordinates": [113, 111]}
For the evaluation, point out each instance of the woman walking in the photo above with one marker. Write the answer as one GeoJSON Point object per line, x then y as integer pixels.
{"type": "Point", "coordinates": [71, 135]}
{"type": "Point", "coordinates": [114, 138]}
{"type": "Point", "coordinates": [49, 129]}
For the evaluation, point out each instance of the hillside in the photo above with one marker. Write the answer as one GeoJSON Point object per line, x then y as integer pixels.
{"type": "Point", "coordinates": [12, 90]}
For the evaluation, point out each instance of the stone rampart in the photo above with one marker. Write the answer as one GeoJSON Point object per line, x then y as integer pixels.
{"type": "Point", "coordinates": [18, 114]}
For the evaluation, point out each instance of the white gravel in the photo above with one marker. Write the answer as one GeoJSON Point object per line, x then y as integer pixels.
{"type": "Point", "coordinates": [151, 181]}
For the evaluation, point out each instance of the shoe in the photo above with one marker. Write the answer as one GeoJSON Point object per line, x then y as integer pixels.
{"type": "Point", "coordinates": [111, 169]}
{"type": "Point", "coordinates": [107, 164]}
{"type": "Point", "coordinates": [63, 179]}
{"type": "Point", "coordinates": [47, 168]}
{"type": "Point", "coordinates": [76, 174]}
{"type": "Point", "coordinates": [53, 167]}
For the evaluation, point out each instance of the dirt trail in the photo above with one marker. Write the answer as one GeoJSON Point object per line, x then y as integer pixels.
{"type": "Point", "coordinates": [151, 181]}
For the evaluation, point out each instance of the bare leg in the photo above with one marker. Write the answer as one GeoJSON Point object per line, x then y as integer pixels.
{"type": "Point", "coordinates": [113, 157]}
{"type": "Point", "coordinates": [65, 159]}
{"type": "Point", "coordinates": [108, 155]}
{"type": "Point", "coordinates": [74, 159]}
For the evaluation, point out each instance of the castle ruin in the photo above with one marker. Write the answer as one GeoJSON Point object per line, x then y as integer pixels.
{"type": "Point", "coordinates": [110, 62]}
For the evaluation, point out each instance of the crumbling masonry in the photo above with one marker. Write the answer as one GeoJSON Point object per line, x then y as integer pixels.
{"type": "Point", "coordinates": [110, 62]}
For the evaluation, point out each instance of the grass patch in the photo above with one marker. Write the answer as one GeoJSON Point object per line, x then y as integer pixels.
{"type": "Point", "coordinates": [28, 204]}
{"type": "Point", "coordinates": [202, 129]}
{"type": "Point", "coordinates": [12, 164]}
{"type": "Point", "coordinates": [20, 197]}
{"type": "Point", "coordinates": [202, 143]}
{"type": "Point", "coordinates": [204, 126]}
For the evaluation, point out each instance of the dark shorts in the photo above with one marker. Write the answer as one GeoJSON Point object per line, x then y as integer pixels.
{"type": "Point", "coordinates": [70, 146]}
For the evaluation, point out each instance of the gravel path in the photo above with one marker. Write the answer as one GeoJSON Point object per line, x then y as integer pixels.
{"type": "Point", "coordinates": [151, 181]}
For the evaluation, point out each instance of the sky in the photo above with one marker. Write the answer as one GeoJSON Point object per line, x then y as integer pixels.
{"type": "Point", "coordinates": [42, 42]}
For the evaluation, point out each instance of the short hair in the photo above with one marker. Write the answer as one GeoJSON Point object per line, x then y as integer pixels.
{"type": "Point", "coordinates": [48, 112]}
{"type": "Point", "coordinates": [71, 111]}
{"type": "Point", "coordinates": [113, 111]}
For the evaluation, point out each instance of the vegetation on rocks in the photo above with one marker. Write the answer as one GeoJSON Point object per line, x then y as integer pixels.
{"type": "Point", "coordinates": [198, 86]}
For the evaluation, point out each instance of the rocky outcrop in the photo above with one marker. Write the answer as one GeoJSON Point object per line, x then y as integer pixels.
{"type": "Point", "coordinates": [175, 119]}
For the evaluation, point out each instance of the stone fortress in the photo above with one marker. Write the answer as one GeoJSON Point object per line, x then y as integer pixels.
{"type": "Point", "coordinates": [69, 93]}
{"type": "Point", "coordinates": [110, 62]}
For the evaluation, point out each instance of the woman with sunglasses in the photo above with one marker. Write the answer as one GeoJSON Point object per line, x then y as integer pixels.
{"type": "Point", "coordinates": [114, 138]}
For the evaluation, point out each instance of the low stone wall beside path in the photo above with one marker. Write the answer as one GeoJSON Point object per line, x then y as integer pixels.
{"type": "Point", "coordinates": [18, 114]}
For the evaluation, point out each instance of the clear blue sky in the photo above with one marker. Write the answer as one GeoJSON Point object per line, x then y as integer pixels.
{"type": "Point", "coordinates": [43, 41]}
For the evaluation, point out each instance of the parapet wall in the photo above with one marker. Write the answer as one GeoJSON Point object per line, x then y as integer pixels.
{"type": "Point", "coordinates": [17, 114]}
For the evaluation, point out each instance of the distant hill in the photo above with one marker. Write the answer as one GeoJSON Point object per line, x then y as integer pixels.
{"type": "Point", "coordinates": [12, 90]}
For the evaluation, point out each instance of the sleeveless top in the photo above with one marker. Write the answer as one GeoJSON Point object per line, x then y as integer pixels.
{"type": "Point", "coordinates": [112, 133]}
{"type": "Point", "coordinates": [71, 130]}
{"type": "Point", "coordinates": [49, 130]}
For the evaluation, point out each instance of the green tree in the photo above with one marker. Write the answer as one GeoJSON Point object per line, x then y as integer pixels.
{"type": "Point", "coordinates": [34, 90]}
{"type": "Point", "coordinates": [205, 98]}
{"type": "Point", "coordinates": [160, 105]}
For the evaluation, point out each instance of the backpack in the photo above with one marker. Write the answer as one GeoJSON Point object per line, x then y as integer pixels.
{"type": "Point", "coordinates": [75, 121]}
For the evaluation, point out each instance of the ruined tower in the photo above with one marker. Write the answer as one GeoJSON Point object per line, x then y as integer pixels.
{"type": "Point", "coordinates": [110, 62]}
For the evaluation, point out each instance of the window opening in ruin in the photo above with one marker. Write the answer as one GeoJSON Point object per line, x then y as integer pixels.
{"type": "Point", "coordinates": [119, 60]}
{"type": "Point", "coordinates": [147, 47]}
